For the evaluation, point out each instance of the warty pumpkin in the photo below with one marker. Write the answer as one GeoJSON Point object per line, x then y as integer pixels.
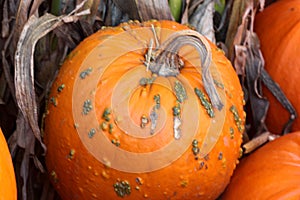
{"type": "Point", "coordinates": [129, 116]}
{"type": "Point", "coordinates": [278, 28]}
{"type": "Point", "coordinates": [8, 189]}
{"type": "Point", "coordinates": [271, 172]}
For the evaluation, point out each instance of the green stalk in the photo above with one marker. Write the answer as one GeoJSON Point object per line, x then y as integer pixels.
{"type": "Point", "coordinates": [55, 7]}
{"type": "Point", "coordinates": [175, 7]}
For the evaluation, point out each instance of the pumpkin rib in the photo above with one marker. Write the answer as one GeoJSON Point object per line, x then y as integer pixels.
{"type": "Point", "coordinates": [269, 173]}
{"type": "Point", "coordinates": [291, 194]}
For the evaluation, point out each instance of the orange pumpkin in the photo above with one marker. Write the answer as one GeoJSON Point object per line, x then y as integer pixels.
{"type": "Point", "coordinates": [278, 28]}
{"type": "Point", "coordinates": [8, 189]}
{"type": "Point", "coordinates": [117, 127]}
{"type": "Point", "coordinates": [271, 172]}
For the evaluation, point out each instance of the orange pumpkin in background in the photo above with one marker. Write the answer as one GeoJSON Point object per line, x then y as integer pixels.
{"type": "Point", "coordinates": [278, 28]}
{"type": "Point", "coordinates": [8, 189]}
{"type": "Point", "coordinates": [271, 172]}
{"type": "Point", "coordinates": [129, 116]}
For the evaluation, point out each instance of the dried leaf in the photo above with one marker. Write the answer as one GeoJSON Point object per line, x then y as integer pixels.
{"type": "Point", "coordinates": [185, 15]}
{"type": "Point", "coordinates": [70, 40]}
{"type": "Point", "coordinates": [8, 78]}
{"type": "Point", "coordinates": [80, 30]}
{"type": "Point", "coordinates": [129, 7]}
{"type": "Point", "coordinates": [202, 19]}
{"type": "Point", "coordinates": [24, 174]}
{"type": "Point", "coordinates": [34, 29]}
{"type": "Point", "coordinates": [240, 59]}
{"type": "Point", "coordinates": [248, 61]}
{"type": "Point", "coordinates": [145, 10]}
{"type": "Point", "coordinates": [35, 7]}
{"type": "Point", "coordinates": [22, 14]}
{"type": "Point", "coordinates": [27, 123]}
{"type": "Point", "coordinates": [261, 4]}
{"type": "Point", "coordinates": [47, 61]}
{"type": "Point", "coordinates": [234, 22]}
{"type": "Point", "coordinates": [114, 15]}
{"type": "Point", "coordinates": [259, 104]}
{"type": "Point", "coordinates": [154, 9]}
{"type": "Point", "coordinates": [193, 4]}
{"type": "Point", "coordinates": [38, 163]}
{"type": "Point", "coordinates": [280, 96]}
{"type": "Point", "coordinates": [48, 192]}
{"type": "Point", "coordinates": [5, 20]}
{"type": "Point", "coordinates": [24, 138]}
{"type": "Point", "coordinates": [8, 32]}
{"type": "Point", "coordinates": [239, 43]}
{"type": "Point", "coordinates": [92, 6]}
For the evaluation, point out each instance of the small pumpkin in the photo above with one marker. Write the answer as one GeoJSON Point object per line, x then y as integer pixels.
{"type": "Point", "coordinates": [130, 115]}
{"type": "Point", "coordinates": [271, 172]}
{"type": "Point", "coordinates": [8, 189]}
{"type": "Point", "coordinates": [278, 28]}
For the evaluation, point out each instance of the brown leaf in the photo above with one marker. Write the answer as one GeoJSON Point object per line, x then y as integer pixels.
{"type": "Point", "coordinates": [145, 10]}
{"type": "Point", "coordinates": [261, 4]}
{"type": "Point", "coordinates": [48, 192]}
{"type": "Point", "coordinates": [47, 61]}
{"type": "Point", "coordinates": [112, 14]}
{"type": "Point", "coordinates": [240, 59]}
{"type": "Point", "coordinates": [10, 31]}
{"type": "Point", "coordinates": [202, 19]}
{"type": "Point", "coordinates": [22, 14]}
{"type": "Point", "coordinates": [33, 30]}
{"type": "Point", "coordinates": [154, 9]}
{"type": "Point", "coordinates": [24, 138]}
{"type": "Point", "coordinates": [281, 98]}
{"type": "Point", "coordinates": [27, 122]}
{"type": "Point", "coordinates": [129, 7]}
{"type": "Point", "coordinates": [5, 20]}
{"type": "Point", "coordinates": [35, 7]}
{"type": "Point", "coordinates": [234, 22]}
{"type": "Point", "coordinates": [249, 64]}
{"type": "Point", "coordinates": [185, 15]}
{"type": "Point", "coordinates": [91, 5]}
{"type": "Point", "coordinates": [24, 174]}
{"type": "Point", "coordinates": [254, 66]}
{"type": "Point", "coordinates": [245, 53]}
{"type": "Point", "coordinates": [192, 6]}
{"type": "Point", "coordinates": [9, 82]}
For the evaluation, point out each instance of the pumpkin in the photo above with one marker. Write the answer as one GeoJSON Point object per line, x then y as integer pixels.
{"type": "Point", "coordinates": [129, 116]}
{"type": "Point", "coordinates": [8, 189]}
{"type": "Point", "coordinates": [271, 172]}
{"type": "Point", "coordinates": [278, 28]}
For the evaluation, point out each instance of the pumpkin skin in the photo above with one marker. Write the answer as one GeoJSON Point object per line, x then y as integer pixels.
{"type": "Point", "coordinates": [76, 169]}
{"type": "Point", "coordinates": [8, 189]}
{"type": "Point", "coordinates": [278, 28]}
{"type": "Point", "coordinates": [271, 172]}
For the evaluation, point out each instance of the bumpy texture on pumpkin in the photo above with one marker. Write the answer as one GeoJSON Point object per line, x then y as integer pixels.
{"type": "Point", "coordinates": [272, 172]}
{"type": "Point", "coordinates": [278, 28]}
{"type": "Point", "coordinates": [110, 123]}
{"type": "Point", "coordinates": [8, 189]}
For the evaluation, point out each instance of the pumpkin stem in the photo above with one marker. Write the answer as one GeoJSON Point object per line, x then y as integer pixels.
{"type": "Point", "coordinates": [166, 61]}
